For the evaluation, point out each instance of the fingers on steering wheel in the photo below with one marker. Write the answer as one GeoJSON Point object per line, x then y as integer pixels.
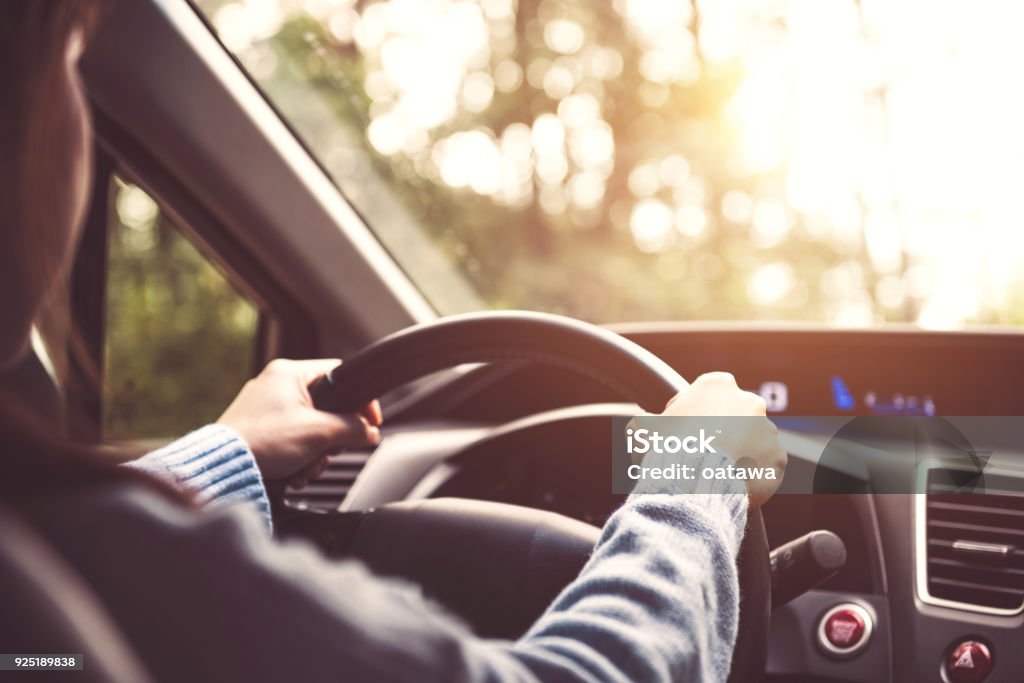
{"type": "Point", "coordinates": [372, 413]}
{"type": "Point", "coordinates": [315, 370]}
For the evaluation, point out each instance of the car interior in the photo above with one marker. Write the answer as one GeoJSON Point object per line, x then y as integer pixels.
{"type": "Point", "coordinates": [492, 478]}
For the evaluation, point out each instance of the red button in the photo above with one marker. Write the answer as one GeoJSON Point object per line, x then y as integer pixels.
{"type": "Point", "coordinates": [845, 628]}
{"type": "Point", "coordinates": [969, 662]}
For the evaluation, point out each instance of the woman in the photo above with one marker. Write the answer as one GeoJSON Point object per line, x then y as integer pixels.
{"type": "Point", "coordinates": [206, 594]}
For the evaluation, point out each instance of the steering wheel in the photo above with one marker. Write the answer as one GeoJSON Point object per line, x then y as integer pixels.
{"type": "Point", "coordinates": [633, 371]}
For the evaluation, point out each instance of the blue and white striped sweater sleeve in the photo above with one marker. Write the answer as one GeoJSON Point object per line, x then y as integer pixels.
{"type": "Point", "coordinates": [215, 463]}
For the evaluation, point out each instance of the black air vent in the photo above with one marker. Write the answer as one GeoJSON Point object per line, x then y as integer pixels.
{"type": "Point", "coordinates": [975, 546]}
{"type": "Point", "coordinates": [327, 492]}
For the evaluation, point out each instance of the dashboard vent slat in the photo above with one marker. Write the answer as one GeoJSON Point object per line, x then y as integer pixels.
{"type": "Point", "coordinates": [974, 544]}
{"type": "Point", "coordinates": [328, 491]}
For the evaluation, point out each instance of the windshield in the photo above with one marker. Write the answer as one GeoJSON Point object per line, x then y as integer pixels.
{"type": "Point", "coordinates": [822, 160]}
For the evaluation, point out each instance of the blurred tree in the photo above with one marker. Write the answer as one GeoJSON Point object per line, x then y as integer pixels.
{"type": "Point", "coordinates": [180, 340]}
{"type": "Point", "coordinates": [638, 159]}
{"type": "Point", "coordinates": [637, 233]}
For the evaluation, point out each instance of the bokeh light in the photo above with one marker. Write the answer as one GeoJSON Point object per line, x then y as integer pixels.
{"type": "Point", "coordinates": [847, 161]}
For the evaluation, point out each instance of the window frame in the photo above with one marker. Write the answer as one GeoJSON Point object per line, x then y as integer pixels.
{"type": "Point", "coordinates": [157, 71]}
{"type": "Point", "coordinates": [285, 328]}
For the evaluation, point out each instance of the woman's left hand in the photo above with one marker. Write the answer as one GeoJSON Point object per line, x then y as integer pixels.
{"type": "Point", "coordinates": [288, 436]}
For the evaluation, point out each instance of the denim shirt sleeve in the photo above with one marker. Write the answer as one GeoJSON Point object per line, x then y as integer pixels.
{"type": "Point", "coordinates": [215, 463]}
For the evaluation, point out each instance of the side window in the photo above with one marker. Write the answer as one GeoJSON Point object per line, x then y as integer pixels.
{"type": "Point", "coordinates": [180, 339]}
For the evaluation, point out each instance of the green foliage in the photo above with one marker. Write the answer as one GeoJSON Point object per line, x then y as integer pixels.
{"type": "Point", "coordinates": [584, 263]}
{"type": "Point", "coordinates": [180, 339]}
{"type": "Point", "coordinates": [799, 251]}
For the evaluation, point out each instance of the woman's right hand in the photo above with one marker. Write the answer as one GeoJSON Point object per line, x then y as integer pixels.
{"type": "Point", "coordinates": [754, 440]}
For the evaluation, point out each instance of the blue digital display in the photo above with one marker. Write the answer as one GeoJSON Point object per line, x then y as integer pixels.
{"type": "Point", "coordinates": [880, 404]}
{"type": "Point", "coordinates": [841, 396]}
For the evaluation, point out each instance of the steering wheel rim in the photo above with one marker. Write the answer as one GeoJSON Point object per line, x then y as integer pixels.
{"type": "Point", "coordinates": [586, 349]}
{"type": "Point", "coordinates": [491, 336]}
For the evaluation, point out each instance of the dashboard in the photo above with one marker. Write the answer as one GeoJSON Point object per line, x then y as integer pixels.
{"type": "Point", "coordinates": [799, 371]}
{"type": "Point", "coordinates": [859, 372]}
{"type": "Point", "coordinates": [443, 442]}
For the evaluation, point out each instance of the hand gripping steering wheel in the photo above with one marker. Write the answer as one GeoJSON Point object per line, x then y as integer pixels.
{"type": "Point", "coordinates": [634, 372]}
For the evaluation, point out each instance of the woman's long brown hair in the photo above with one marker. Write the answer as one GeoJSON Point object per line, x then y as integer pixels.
{"type": "Point", "coordinates": [35, 458]}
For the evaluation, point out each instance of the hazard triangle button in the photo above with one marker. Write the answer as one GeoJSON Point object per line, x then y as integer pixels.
{"type": "Point", "coordinates": [968, 662]}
